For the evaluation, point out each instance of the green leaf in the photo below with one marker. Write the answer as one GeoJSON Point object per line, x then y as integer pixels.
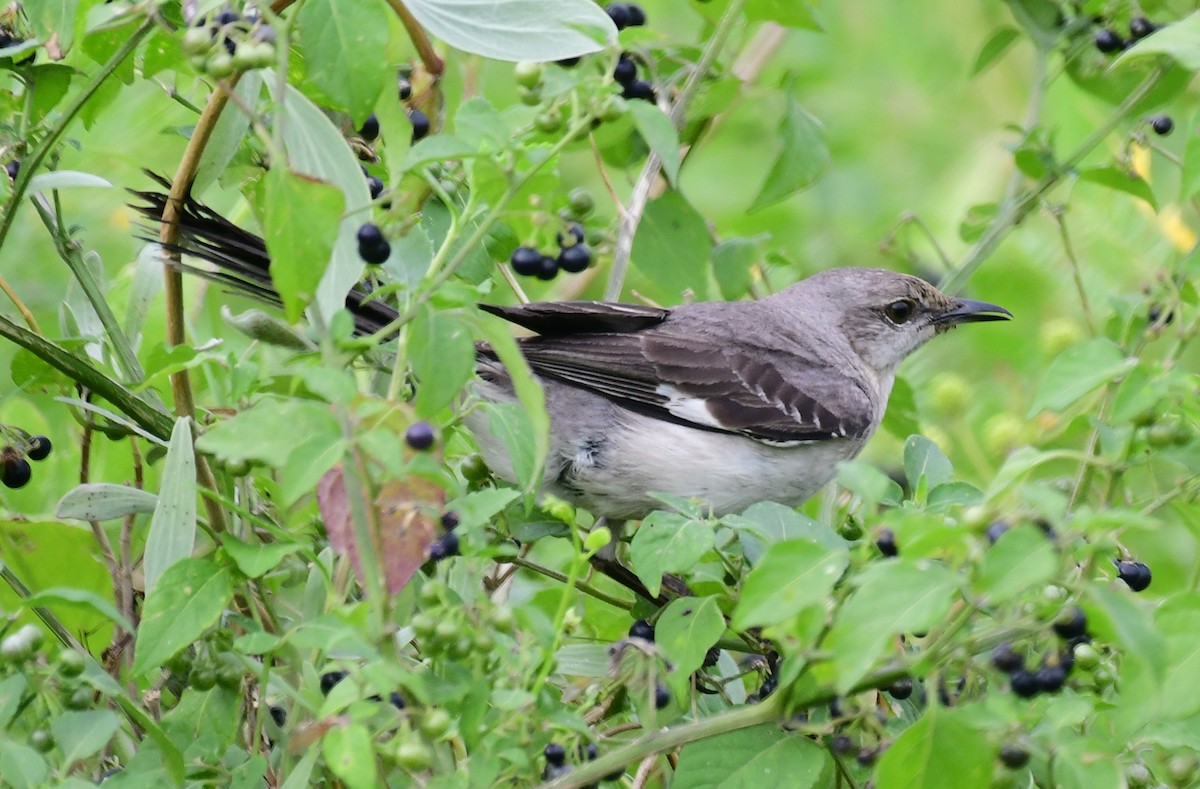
{"type": "Point", "coordinates": [994, 48]}
{"type": "Point", "coordinates": [1077, 371]}
{"type": "Point", "coordinates": [801, 161]}
{"type": "Point", "coordinates": [443, 359]}
{"type": "Point", "coordinates": [797, 14]}
{"type": "Point", "coordinates": [747, 758]}
{"type": "Point", "coordinates": [685, 630]}
{"type": "Point", "coordinates": [79, 597]}
{"type": "Point", "coordinates": [254, 561]}
{"type": "Point", "coordinates": [768, 522]}
{"type": "Point", "coordinates": [439, 148]}
{"type": "Point", "coordinates": [517, 29]}
{"type": "Point", "coordinates": [350, 756]}
{"type": "Point", "coordinates": [172, 532]}
{"type": "Point", "coordinates": [189, 598]}
{"type": "Point", "coordinates": [229, 134]}
{"type": "Point", "coordinates": [515, 428]}
{"type": "Point", "coordinates": [672, 245]}
{"type": "Point", "coordinates": [300, 225]}
{"type": "Point", "coordinates": [267, 431]}
{"type": "Point", "coordinates": [334, 36]}
{"type": "Point", "coordinates": [791, 576]}
{"type": "Point", "coordinates": [12, 691]}
{"type": "Point", "coordinates": [1179, 620]}
{"type": "Point", "coordinates": [732, 261]}
{"type": "Point", "coordinates": [893, 597]}
{"type": "Point", "coordinates": [1189, 182]}
{"type": "Point", "coordinates": [21, 766]}
{"type": "Point", "coordinates": [1179, 41]}
{"type": "Point", "coordinates": [667, 543]}
{"type": "Point", "coordinates": [901, 417]}
{"type": "Point", "coordinates": [939, 750]}
{"type": "Point", "coordinates": [660, 134]}
{"type": "Point", "coordinates": [81, 735]}
{"type": "Point", "coordinates": [869, 483]}
{"type": "Point", "coordinates": [477, 508]}
{"type": "Point", "coordinates": [1120, 180]}
{"type": "Point", "coordinates": [102, 501]}
{"type": "Point", "coordinates": [64, 179]}
{"type": "Point", "coordinates": [924, 460]}
{"type": "Point", "coordinates": [1021, 559]}
{"type": "Point", "coordinates": [1114, 618]}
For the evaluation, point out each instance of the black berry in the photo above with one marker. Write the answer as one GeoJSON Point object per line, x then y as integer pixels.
{"type": "Point", "coordinates": [12, 168]}
{"type": "Point", "coordinates": [1071, 623]}
{"type": "Point", "coordinates": [575, 259]}
{"type": "Point", "coordinates": [662, 696]}
{"type": "Point", "coordinates": [548, 269]}
{"type": "Point", "coordinates": [568, 62]}
{"type": "Point", "coordinates": [373, 248]}
{"type": "Point", "coordinates": [227, 18]}
{"type": "Point", "coordinates": [1014, 757]}
{"type": "Point", "coordinates": [619, 14]}
{"type": "Point", "coordinates": [444, 548]}
{"type": "Point", "coordinates": [15, 472]}
{"type": "Point", "coordinates": [370, 128]}
{"type": "Point", "coordinates": [1050, 679]}
{"type": "Point", "coordinates": [374, 186]}
{"type": "Point", "coordinates": [419, 435]}
{"type": "Point", "coordinates": [1162, 125]}
{"type": "Point", "coordinates": [575, 231]}
{"type": "Point", "coordinates": [331, 678]}
{"type": "Point", "coordinates": [625, 71]}
{"type": "Point", "coordinates": [637, 17]}
{"type": "Point", "coordinates": [639, 89]}
{"type": "Point", "coordinates": [1155, 313]}
{"type": "Point", "coordinates": [711, 657]}
{"type": "Point", "coordinates": [420, 124]}
{"type": "Point", "coordinates": [1135, 574]}
{"type": "Point", "coordinates": [39, 448]}
{"type": "Point", "coordinates": [901, 689]}
{"type": "Point", "coordinates": [396, 699]}
{"type": "Point", "coordinates": [526, 261]}
{"type": "Point", "coordinates": [995, 530]}
{"type": "Point", "coordinates": [886, 543]}
{"type": "Point", "coordinates": [404, 87]}
{"type": "Point", "coordinates": [1025, 684]}
{"type": "Point", "coordinates": [867, 756]}
{"type": "Point", "coordinates": [1108, 41]}
{"type": "Point", "coordinates": [278, 714]}
{"type": "Point", "coordinates": [555, 754]}
{"type": "Point", "coordinates": [450, 520]}
{"type": "Point", "coordinates": [642, 629]}
{"type": "Point", "coordinates": [1140, 27]}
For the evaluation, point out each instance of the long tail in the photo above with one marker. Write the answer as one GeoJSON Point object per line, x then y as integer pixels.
{"type": "Point", "coordinates": [241, 259]}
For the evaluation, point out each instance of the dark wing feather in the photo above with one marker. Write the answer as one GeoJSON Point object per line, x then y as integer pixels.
{"type": "Point", "coordinates": [555, 318]}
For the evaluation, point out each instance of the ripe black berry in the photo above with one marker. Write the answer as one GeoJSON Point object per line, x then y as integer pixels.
{"type": "Point", "coordinates": [13, 168]}
{"type": "Point", "coordinates": [886, 543]}
{"type": "Point", "coordinates": [575, 231]}
{"type": "Point", "coordinates": [901, 689]}
{"type": "Point", "coordinates": [1071, 623]}
{"type": "Point", "coordinates": [1162, 125]}
{"type": "Point", "coordinates": [575, 259]}
{"type": "Point", "coordinates": [278, 714]}
{"type": "Point", "coordinates": [1014, 757]}
{"type": "Point", "coordinates": [373, 248]}
{"type": "Point", "coordinates": [555, 754]}
{"type": "Point", "coordinates": [1024, 684]}
{"type": "Point", "coordinates": [662, 696]}
{"type": "Point", "coordinates": [396, 699]}
{"type": "Point", "coordinates": [419, 435]}
{"type": "Point", "coordinates": [637, 17]}
{"type": "Point", "coordinates": [39, 448]}
{"type": "Point", "coordinates": [867, 756]}
{"type": "Point", "coordinates": [15, 472]}
{"type": "Point", "coordinates": [374, 186]}
{"type": "Point", "coordinates": [331, 678]}
{"type": "Point", "coordinates": [642, 629]}
{"type": "Point", "coordinates": [996, 529]}
{"type": "Point", "coordinates": [420, 124]}
{"type": "Point", "coordinates": [1135, 574]}
{"type": "Point", "coordinates": [639, 89]}
{"type": "Point", "coordinates": [711, 657]}
{"type": "Point", "coordinates": [1108, 41]}
{"type": "Point", "coordinates": [1155, 312]}
{"type": "Point", "coordinates": [619, 14]}
{"type": "Point", "coordinates": [568, 62]}
{"type": "Point", "coordinates": [1140, 27]}
{"type": "Point", "coordinates": [625, 71]}
{"type": "Point", "coordinates": [526, 261]}
{"type": "Point", "coordinates": [450, 520]}
{"type": "Point", "coordinates": [548, 269]}
{"type": "Point", "coordinates": [842, 745]}
{"type": "Point", "coordinates": [370, 128]}
{"type": "Point", "coordinates": [444, 548]}
{"type": "Point", "coordinates": [226, 18]}
{"type": "Point", "coordinates": [1050, 679]}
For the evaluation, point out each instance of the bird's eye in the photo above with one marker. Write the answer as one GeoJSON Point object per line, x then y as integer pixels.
{"type": "Point", "coordinates": [900, 311]}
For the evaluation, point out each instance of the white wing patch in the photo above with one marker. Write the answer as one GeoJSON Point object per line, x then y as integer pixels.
{"type": "Point", "coordinates": [693, 409]}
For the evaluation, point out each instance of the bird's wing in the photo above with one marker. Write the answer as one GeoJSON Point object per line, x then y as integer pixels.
{"type": "Point", "coordinates": [554, 318]}
{"type": "Point", "coordinates": [712, 379]}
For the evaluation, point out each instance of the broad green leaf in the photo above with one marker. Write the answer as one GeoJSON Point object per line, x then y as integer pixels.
{"type": "Point", "coordinates": [1077, 371]}
{"type": "Point", "coordinates": [659, 133]}
{"type": "Point", "coordinates": [443, 359]}
{"type": "Point", "coordinates": [789, 577]}
{"type": "Point", "coordinates": [1179, 41]}
{"type": "Point", "coordinates": [300, 225]}
{"type": "Point", "coordinates": [732, 260]}
{"type": "Point", "coordinates": [892, 597]}
{"type": "Point", "coordinates": [1179, 619]}
{"type": "Point", "coordinates": [950, 494]}
{"type": "Point", "coordinates": [103, 501]}
{"type": "Point", "coordinates": [516, 429]}
{"type": "Point", "coordinates": [1019, 463]}
{"type": "Point", "coordinates": [583, 660]}
{"type": "Point", "coordinates": [901, 417]}
{"type": "Point", "coordinates": [1120, 180]}
{"type": "Point", "coordinates": [1023, 558]}
{"type": "Point", "coordinates": [1086, 763]}
{"type": "Point", "coordinates": [350, 755]}
{"type": "Point", "coordinates": [210, 715]}
{"type": "Point", "coordinates": [64, 179]}
{"type": "Point", "coordinates": [53, 18]}
{"type": "Point", "coordinates": [12, 690]}
{"type": "Point", "coordinates": [767, 523]}
{"type": "Point", "coordinates": [797, 14]}
{"type": "Point", "coordinates": [81, 735]}
{"type": "Point", "coordinates": [478, 507]}
{"type": "Point", "coordinates": [750, 758]}
{"type": "Point", "coordinates": [868, 483]}
{"type": "Point", "coordinates": [667, 543]}
{"type": "Point", "coordinates": [189, 598]}
{"type": "Point", "coordinates": [994, 48]}
{"type": "Point", "coordinates": [1116, 619]}
{"type": "Point", "coordinates": [79, 597]}
{"type": "Point", "coordinates": [172, 532]}
{"type": "Point", "coordinates": [672, 245]}
{"type": "Point", "coordinates": [228, 135]}
{"type": "Point", "coordinates": [21, 766]}
{"type": "Point", "coordinates": [268, 431]}
{"type": "Point", "coordinates": [335, 37]}
{"type": "Point", "coordinates": [801, 161]}
{"type": "Point", "coordinates": [306, 464]}
{"type": "Point", "coordinates": [254, 561]}
{"type": "Point", "coordinates": [517, 29]}
{"type": "Point", "coordinates": [923, 459]}
{"type": "Point", "coordinates": [685, 630]}
{"type": "Point", "coordinates": [939, 750]}
{"type": "Point", "coordinates": [439, 148]}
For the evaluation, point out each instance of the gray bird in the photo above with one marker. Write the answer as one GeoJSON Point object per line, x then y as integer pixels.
{"type": "Point", "coordinates": [730, 403]}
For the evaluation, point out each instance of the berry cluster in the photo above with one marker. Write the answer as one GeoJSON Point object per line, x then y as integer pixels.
{"type": "Point", "coordinates": [447, 545]}
{"type": "Point", "coordinates": [1052, 674]}
{"type": "Point", "coordinates": [625, 15]}
{"type": "Point", "coordinates": [556, 761]}
{"type": "Point", "coordinates": [227, 42]}
{"type": "Point", "coordinates": [626, 75]}
{"type": "Point", "coordinates": [1109, 41]}
{"type": "Point", "coordinates": [418, 119]}
{"type": "Point", "coordinates": [373, 248]}
{"type": "Point", "coordinates": [15, 471]}
{"type": "Point", "coordinates": [574, 256]}
{"type": "Point", "coordinates": [210, 663]}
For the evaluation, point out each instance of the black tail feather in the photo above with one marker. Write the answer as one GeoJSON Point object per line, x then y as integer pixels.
{"type": "Point", "coordinates": [241, 259]}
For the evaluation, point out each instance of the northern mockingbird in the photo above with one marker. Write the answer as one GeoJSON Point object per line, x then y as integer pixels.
{"type": "Point", "coordinates": [731, 403]}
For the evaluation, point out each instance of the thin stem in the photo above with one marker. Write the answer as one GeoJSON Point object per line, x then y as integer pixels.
{"type": "Point", "coordinates": [433, 64]}
{"type": "Point", "coordinates": [1077, 275]}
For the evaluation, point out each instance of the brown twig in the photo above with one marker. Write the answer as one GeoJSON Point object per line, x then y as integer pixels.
{"type": "Point", "coordinates": [433, 64]}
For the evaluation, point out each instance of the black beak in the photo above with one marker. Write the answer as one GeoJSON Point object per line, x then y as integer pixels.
{"type": "Point", "coordinates": [971, 311]}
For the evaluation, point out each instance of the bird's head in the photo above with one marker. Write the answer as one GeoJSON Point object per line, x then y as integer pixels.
{"type": "Point", "coordinates": [885, 316]}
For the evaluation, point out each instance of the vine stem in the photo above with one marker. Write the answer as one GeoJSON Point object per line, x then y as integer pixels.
{"type": "Point", "coordinates": [631, 214]}
{"type": "Point", "coordinates": [433, 64]}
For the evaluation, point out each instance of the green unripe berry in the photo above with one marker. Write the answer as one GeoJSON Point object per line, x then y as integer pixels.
{"type": "Point", "coordinates": [951, 394]}
{"type": "Point", "coordinates": [80, 699]}
{"type": "Point", "coordinates": [71, 663]}
{"type": "Point", "coordinates": [474, 470]}
{"type": "Point", "coordinates": [203, 678]}
{"type": "Point", "coordinates": [580, 202]}
{"type": "Point", "coordinates": [1086, 657]}
{"type": "Point", "coordinates": [446, 631]}
{"type": "Point", "coordinates": [432, 592]}
{"type": "Point", "coordinates": [42, 740]}
{"type": "Point", "coordinates": [262, 55]}
{"type": "Point", "coordinates": [423, 625]}
{"type": "Point", "coordinates": [1103, 677]}
{"type": "Point", "coordinates": [1002, 434]}
{"type": "Point", "coordinates": [414, 756]}
{"type": "Point", "coordinates": [435, 723]}
{"type": "Point", "coordinates": [199, 63]}
{"type": "Point", "coordinates": [219, 64]}
{"type": "Point", "coordinates": [197, 41]}
{"type": "Point", "coordinates": [503, 620]}
{"type": "Point", "coordinates": [549, 121]}
{"type": "Point", "coordinates": [32, 634]}
{"type": "Point", "coordinates": [528, 74]}
{"type": "Point", "coordinates": [530, 97]}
